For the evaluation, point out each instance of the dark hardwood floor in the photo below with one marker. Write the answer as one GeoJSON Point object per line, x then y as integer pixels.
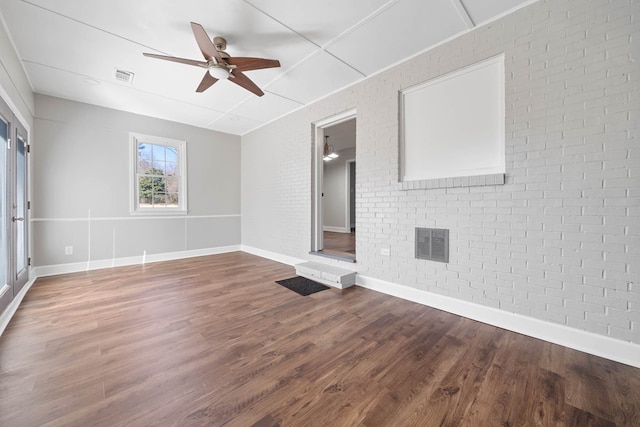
{"type": "Point", "coordinates": [342, 244]}
{"type": "Point", "coordinates": [214, 341]}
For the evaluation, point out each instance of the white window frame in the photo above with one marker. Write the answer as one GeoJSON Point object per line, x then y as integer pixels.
{"type": "Point", "coordinates": [181, 146]}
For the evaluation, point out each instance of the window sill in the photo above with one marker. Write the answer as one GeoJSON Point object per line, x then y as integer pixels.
{"type": "Point", "coordinates": [158, 212]}
{"type": "Point", "coordinates": [459, 181]}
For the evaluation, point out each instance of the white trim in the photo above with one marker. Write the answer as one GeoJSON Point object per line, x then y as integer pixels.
{"type": "Point", "coordinates": [411, 121]}
{"type": "Point", "coordinates": [317, 168]}
{"type": "Point", "coordinates": [347, 193]}
{"type": "Point", "coordinates": [137, 217]}
{"type": "Point", "coordinates": [464, 15]}
{"type": "Point", "coordinates": [588, 342]}
{"type": "Point", "coordinates": [51, 270]}
{"type": "Point", "coordinates": [181, 148]}
{"type": "Point", "coordinates": [336, 229]}
{"type": "Point", "coordinates": [7, 99]}
{"type": "Point", "coordinates": [11, 309]}
{"type": "Point", "coordinates": [599, 345]}
{"type": "Point", "coordinates": [274, 256]}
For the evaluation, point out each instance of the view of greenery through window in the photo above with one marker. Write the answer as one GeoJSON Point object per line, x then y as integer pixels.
{"type": "Point", "coordinates": [158, 176]}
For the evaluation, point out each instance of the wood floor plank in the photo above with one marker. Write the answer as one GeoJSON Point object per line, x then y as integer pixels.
{"type": "Point", "coordinates": [215, 341]}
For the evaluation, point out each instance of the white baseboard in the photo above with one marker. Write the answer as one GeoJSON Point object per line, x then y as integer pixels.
{"type": "Point", "coordinates": [50, 270]}
{"type": "Point", "coordinates": [8, 313]}
{"type": "Point", "coordinates": [274, 256]}
{"type": "Point", "coordinates": [599, 345]}
{"type": "Point", "coordinates": [336, 229]}
{"type": "Point", "coordinates": [588, 342]}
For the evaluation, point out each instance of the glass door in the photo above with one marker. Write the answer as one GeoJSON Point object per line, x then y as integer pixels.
{"type": "Point", "coordinates": [14, 236]}
{"type": "Point", "coordinates": [19, 220]}
{"type": "Point", "coordinates": [6, 285]}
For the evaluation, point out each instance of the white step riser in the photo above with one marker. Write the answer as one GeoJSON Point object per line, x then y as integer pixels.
{"type": "Point", "coordinates": [327, 274]}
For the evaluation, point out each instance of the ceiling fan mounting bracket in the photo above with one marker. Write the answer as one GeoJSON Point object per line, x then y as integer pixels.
{"type": "Point", "coordinates": [220, 43]}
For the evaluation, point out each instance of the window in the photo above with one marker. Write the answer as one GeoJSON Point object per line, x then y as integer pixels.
{"type": "Point", "coordinates": [453, 125]}
{"type": "Point", "coordinates": [159, 178]}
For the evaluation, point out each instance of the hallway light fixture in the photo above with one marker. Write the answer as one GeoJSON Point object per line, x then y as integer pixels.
{"type": "Point", "coordinates": [328, 154]}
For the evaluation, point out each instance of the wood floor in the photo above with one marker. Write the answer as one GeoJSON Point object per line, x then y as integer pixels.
{"type": "Point", "coordinates": [214, 341]}
{"type": "Point", "coordinates": [343, 244]}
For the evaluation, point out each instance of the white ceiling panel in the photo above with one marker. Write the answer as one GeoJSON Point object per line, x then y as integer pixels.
{"type": "Point", "coordinates": [400, 31]}
{"type": "Point", "coordinates": [319, 21]}
{"type": "Point", "coordinates": [266, 108]}
{"type": "Point", "coordinates": [485, 10]}
{"type": "Point", "coordinates": [119, 97]}
{"type": "Point", "coordinates": [315, 77]}
{"type": "Point", "coordinates": [230, 123]}
{"type": "Point", "coordinates": [322, 45]}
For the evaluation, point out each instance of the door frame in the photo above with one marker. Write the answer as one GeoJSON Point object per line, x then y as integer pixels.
{"type": "Point", "coordinates": [15, 280]}
{"type": "Point", "coordinates": [317, 243]}
{"type": "Point", "coordinates": [347, 193]}
{"type": "Point", "coordinates": [16, 218]}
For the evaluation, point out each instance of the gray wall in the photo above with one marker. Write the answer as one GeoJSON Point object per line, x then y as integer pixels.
{"type": "Point", "coordinates": [80, 187]}
{"type": "Point", "coordinates": [334, 187]}
{"type": "Point", "coordinates": [558, 241]}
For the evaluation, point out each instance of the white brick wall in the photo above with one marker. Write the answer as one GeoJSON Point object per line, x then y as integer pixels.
{"type": "Point", "coordinates": [560, 240]}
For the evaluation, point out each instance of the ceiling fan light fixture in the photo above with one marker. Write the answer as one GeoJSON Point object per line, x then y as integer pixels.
{"type": "Point", "coordinates": [219, 72]}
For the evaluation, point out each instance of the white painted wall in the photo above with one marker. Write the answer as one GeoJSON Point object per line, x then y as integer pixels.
{"type": "Point", "coordinates": [15, 88]}
{"type": "Point", "coordinates": [558, 241]}
{"type": "Point", "coordinates": [81, 191]}
{"type": "Point", "coordinates": [335, 195]}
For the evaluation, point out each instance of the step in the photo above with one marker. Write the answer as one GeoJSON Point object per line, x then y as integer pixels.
{"type": "Point", "coordinates": [329, 275]}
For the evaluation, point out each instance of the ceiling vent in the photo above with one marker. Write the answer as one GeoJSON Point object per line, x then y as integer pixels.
{"type": "Point", "coordinates": [124, 76]}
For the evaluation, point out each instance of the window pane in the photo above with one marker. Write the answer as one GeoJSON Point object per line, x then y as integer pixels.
{"type": "Point", "coordinates": [158, 153]}
{"type": "Point", "coordinates": [158, 200]}
{"type": "Point", "coordinates": [171, 154]}
{"type": "Point", "coordinates": [171, 169]}
{"type": "Point", "coordinates": [157, 180]}
{"type": "Point", "coordinates": [4, 136]}
{"type": "Point", "coordinates": [21, 208]}
{"type": "Point", "coordinates": [144, 157]}
{"type": "Point", "coordinates": [172, 200]}
{"type": "Point", "coordinates": [172, 185]}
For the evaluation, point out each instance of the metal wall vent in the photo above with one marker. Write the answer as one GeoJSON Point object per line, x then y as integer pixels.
{"type": "Point", "coordinates": [124, 76]}
{"type": "Point", "coordinates": [432, 244]}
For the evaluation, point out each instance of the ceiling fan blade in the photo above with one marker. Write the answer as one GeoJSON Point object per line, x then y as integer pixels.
{"type": "Point", "coordinates": [179, 60]}
{"type": "Point", "coordinates": [205, 44]}
{"type": "Point", "coordinates": [247, 64]}
{"type": "Point", "coordinates": [207, 81]}
{"type": "Point", "coordinates": [245, 82]}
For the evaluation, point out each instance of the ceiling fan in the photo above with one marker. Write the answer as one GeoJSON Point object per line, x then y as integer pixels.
{"type": "Point", "coordinates": [219, 64]}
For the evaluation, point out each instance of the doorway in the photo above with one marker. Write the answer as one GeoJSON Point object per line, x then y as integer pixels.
{"type": "Point", "coordinates": [334, 224]}
{"type": "Point", "coordinates": [14, 261]}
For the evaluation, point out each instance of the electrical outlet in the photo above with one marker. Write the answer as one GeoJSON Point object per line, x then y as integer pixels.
{"type": "Point", "coordinates": [68, 250]}
{"type": "Point", "coordinates": [385, 251]}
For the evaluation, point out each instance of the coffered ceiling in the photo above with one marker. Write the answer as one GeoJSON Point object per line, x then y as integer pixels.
{"type": "Point", "coordinates": [72, 48]}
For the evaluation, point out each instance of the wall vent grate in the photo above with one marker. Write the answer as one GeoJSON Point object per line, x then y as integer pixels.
{"type": "Point", "coordinates": [432, 244]}
{"type": "Point", "coordinates": [124, 76]}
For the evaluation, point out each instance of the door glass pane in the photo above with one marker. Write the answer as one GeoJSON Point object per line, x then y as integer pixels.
{"type": "Point", "coordinates": [4, 136]}
{"type": "Point", "coordinates": [21, 208]}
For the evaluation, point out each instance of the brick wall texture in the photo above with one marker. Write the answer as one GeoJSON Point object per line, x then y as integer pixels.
{"type": "Point", "coordinates": [560, 240]}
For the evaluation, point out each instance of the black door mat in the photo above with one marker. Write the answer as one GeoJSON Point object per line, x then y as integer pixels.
{"type": "Point", "coordinates": [302, 285]}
